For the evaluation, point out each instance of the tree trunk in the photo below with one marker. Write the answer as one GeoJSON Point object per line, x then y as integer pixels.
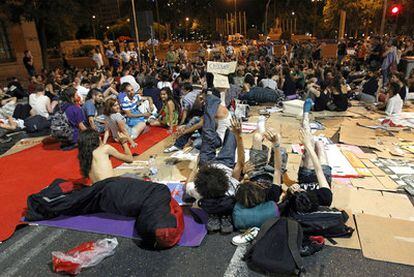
{"type": "Point", "coordinates": [41, 32]}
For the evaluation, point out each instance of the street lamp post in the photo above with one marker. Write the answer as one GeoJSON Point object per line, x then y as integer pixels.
{"type": "Point", "coordinates": [235, 16]}
{"type": "Point", "coordinates": [93, 26]}
{"type": "Point", "coordinates": [136, 29]}
{"type": "Point", "coordinates": [384, 14]}
{"type": "Point", "coordinates": [266, 14]}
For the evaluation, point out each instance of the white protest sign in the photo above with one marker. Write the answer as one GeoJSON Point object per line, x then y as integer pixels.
{"type": "Point", "coordinates": [221, 68]}
{"type": "Point", "coordinates": [221, 81]}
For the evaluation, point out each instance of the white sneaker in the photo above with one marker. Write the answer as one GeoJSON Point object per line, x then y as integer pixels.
{"type": "Point", "coordinates": [246, 237]}
{"type": "Point", "coordinates": [171, 149]}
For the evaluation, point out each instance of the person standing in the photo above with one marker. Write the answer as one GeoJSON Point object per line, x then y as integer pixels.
{"type": "Point", "coordinates": [97, 58]}
{"type": "Point", "coordinates": [28, 63]}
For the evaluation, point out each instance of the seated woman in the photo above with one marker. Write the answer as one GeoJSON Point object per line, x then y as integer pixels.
{"type": "Point", "coordinates": [94, 155]}
{"type": "Point", "coordinates": [74, 114]}
{"type": "Point", "coordinates": [116, 123]}
{"type": "Point", "coordinates": [394, 103]}
{"type": "Point", "coordinates": [370, 88]}
{"type": "Point", "coordinates": [168, 116]}
{"type": "Point", "coordinates": [194, 122]}
{"type": "Point", "coordinates": [339, 95]}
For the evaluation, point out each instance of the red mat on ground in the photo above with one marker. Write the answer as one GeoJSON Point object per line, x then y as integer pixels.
{"type": "Point", "coordinates": [31, 170]}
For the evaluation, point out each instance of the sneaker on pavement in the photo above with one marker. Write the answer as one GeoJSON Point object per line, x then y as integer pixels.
{"type": "Point", "coordinates": [171, 149]}
{"type": "Point", "coordinates": [247, 237]}
{"type": "Point", "coordinates": [213, 223]}
{"type": "Point", "coordinates": [226, 225]}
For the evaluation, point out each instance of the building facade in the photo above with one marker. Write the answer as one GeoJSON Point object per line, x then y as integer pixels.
{"type": "Point", "coordinates": [14, 40]}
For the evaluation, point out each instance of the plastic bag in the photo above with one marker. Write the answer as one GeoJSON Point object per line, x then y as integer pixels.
{"type": "Point", "coordinates": [85, 255]}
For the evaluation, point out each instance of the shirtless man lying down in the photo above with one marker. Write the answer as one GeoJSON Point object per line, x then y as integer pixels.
{"type": "Point", "coordinates": [94, 155]}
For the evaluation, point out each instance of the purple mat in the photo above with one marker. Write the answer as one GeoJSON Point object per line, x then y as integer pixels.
{"type": "Point", "coordinates": [122, 226]}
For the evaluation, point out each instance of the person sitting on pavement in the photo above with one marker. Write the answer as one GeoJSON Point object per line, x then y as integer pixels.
{"type": "Point", "coordinates": [93, 111]}
{"type": "Point", "coordinates": [217, 179]}
{"type": "Point", "coordinates": [74, 114]}
{"type": "Point", "coordinates": [254, 94]}
{"type": "Point", "coordinates": [169, 114]}
{"type": "Point", "coordinates": [115, 123]}
{"type": "Point", "coordinates": [194, 122]}
{"type": "Point", "coordinates": [130, 106]}
{"type": "Point", "coordinates": [94, 155]}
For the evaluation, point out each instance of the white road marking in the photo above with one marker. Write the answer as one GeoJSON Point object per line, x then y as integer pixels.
{"type": "Point", "coordinates": [21, 242]}
{"type": "Point", "coordinates": [237, 267]}
{"type": "Point", "coordinates": [14, 268]}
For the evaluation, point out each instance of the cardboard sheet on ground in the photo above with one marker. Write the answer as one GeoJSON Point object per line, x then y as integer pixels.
{"type": "Point", "coordinates": [122, 226]}
{"type": "Point", "coordinates": [359, 136]}
{"type": "Point", "coordinates": [385, 204]}
{"type": "Point", "coordinates": [340, 165]}
{"type": "Point", "coordinates": [349, 243]}
{"type": "Point", "coordinates": [24, 144]}
{"type": "Point", "coordinates": [374, 183]}
{"type": "Point", "coordinates": [386, 239]}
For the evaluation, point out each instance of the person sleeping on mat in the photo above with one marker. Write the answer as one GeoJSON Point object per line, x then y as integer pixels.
{"type": "Point", "coordinates": [94, 155]}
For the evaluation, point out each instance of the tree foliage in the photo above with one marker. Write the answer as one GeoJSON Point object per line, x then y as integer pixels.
{"type": "Point", "coordinates": [361, 14]}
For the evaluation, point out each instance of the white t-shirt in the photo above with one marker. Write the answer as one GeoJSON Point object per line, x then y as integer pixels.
{"type": "Point", "coordinates": [269, 83]}
{"type": "Point", "coordinates": [130, 79]}
{"type": "Point", "coordinates": [394, 105]}
{"type": "Point", "coordinates": [82, 91]}
{"type": "Point", "coordinates": [97, 58]}
{"type": "Point", "coordinates": [125, 57]}
{"type": "Point", "coordinates": [39, 104]}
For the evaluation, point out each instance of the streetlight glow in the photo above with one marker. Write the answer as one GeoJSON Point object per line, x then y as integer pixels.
{"type": "Point", "coordinates": [187, 19]}
{"type": "Point", "coordinates": [93, 16]}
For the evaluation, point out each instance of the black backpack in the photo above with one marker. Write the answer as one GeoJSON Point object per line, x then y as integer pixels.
{"type": "Point", "coordinates": [326, 222]}
{"type": "Point", "coordinates": [60, 127]}
{"type": "Point", "coordinates": [276, 249]}
{"type": "Point", "coordinates": [36, 123]}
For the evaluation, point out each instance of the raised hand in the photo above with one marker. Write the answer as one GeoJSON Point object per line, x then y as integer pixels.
{"type": "Point", "coordinates": [306, 138]}
{"type": "Point", "coordinates": [273, 138]}
{"type": "Point", "coordinates": [236, 126]}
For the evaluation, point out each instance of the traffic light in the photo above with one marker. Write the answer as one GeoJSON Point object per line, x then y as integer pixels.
{"type": "Point", "coordinates": [396, 9]}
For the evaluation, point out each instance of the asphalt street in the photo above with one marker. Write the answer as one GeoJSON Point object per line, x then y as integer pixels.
{"type": "Point", "coordinates": [28, 253]}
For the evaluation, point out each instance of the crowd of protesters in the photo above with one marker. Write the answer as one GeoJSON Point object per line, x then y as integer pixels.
{"type": "Point", "coordinates": [123, 98]}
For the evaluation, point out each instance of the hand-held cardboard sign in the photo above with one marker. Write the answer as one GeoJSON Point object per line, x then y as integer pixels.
{"type": "Point", "coordinates": [220, 71]}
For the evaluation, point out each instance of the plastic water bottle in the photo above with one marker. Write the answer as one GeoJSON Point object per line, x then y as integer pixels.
{"type": "Point", "coordinates": [152, 167]}
{"type": "Point", "coordinates": [261, 124]}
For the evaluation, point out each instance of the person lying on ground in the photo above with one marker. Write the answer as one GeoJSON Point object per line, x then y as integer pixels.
{"type": "Point", "coordinates": [11, 123]}
{"type": "Point", "coordinates": [217, 120]}
{"type": "Point", "coordinates": [169, 114]}
{"type": "Point", "coordinates": [217, 180]}
{"type": "Point", "coordinates": [94, 155]}
{"type": "Point", "coordinates": [115, 123]}
{"type": "Point", "coordinates": [314, 177]}
{"type": "Point", "coordinates": [257, 195]}
{"type": "Point", "coordinates": [7, 107]}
